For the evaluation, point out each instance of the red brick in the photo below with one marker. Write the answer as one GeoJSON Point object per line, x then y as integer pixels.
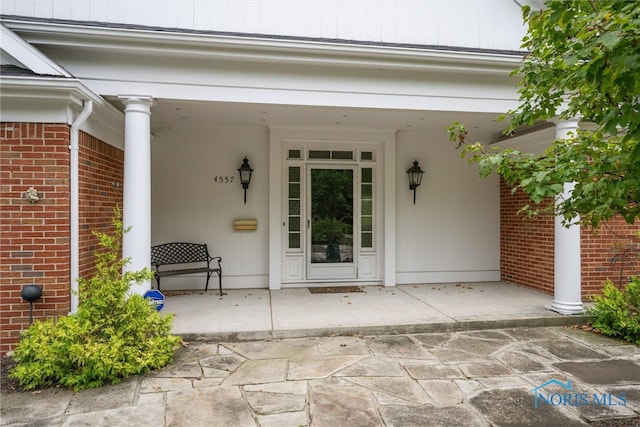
{"type": "Point", "coordinates": [526, 245]}
{"type": "Point", "coordinates": [527, 248]}
{"type": "Point", "coordinates": [35, 237]}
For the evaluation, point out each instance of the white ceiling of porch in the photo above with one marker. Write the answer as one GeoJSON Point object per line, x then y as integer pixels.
{"type": "Point", "coordinates": [169, 113]}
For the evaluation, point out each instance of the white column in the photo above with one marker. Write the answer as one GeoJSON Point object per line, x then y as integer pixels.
{"type": "Point", "coordinates": [567, 295]}
{"type": "Point", "coordinates": [136, 212]}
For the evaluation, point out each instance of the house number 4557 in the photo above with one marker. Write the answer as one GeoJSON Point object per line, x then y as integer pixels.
{"type": "Point", "coordinates": [223, 179]}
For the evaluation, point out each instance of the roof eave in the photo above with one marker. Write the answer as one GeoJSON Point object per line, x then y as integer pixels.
{"type": "Point", "coordinates": [253, 47]}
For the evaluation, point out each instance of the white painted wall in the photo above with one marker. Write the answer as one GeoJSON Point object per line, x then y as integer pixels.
{"type": "Point", "coordinates": [452, 233]}
{"type": "Point", "coordinates": [187, 205]}
{"type": "Point", "coordinates": [491, 24]}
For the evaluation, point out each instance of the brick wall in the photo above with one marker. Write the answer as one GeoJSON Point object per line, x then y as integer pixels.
{"type": "Point", "coordinates": [101, 172]}
{"type": "Point", "coordinates": [611, 253]}
{"type": "Point", "coordinates": [526, 245]}
{"type": "Point", "coordinates": [34, 237]}
{"type": "Point", "coordinates": [527, 249]}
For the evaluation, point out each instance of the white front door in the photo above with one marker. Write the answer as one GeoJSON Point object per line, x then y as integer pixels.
{"type": "Point", "coordinates": [332, 232]}
{"type": "Point", "coordinates": [332, 213]}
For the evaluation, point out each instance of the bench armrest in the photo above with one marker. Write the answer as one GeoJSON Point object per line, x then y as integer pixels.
{"type": "Point", "coordinates": [215, 258]}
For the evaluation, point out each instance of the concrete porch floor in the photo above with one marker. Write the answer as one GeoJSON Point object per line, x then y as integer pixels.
{"type": "Point", "coordinates": [246, 314]}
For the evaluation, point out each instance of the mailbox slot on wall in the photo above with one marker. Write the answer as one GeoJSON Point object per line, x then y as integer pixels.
{"type": "Point", "coordinates": [245, 225]}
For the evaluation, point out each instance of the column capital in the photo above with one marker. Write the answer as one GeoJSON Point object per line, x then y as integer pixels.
{"type": "Point", "coordinates": [137, 103]}
{"type": "Point", "coordinates": [566, 128]}
{"type": "Point", "coordinates": [571, 121]}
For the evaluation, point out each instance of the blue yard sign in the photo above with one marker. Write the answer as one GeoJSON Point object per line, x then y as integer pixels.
{"type": "Point", "coordinates": [155, 297]}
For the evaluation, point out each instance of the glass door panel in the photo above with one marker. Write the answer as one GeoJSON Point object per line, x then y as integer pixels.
{"type": "Point", "coordinates": [331, 223]}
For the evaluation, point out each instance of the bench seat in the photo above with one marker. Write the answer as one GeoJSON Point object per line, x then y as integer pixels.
{"type": "Point", "coordinates": [175, 253]}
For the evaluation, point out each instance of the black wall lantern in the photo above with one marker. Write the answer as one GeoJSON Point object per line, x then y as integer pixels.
{"type": "Point", "coordinates": [415, 178]}
{"type": "Point", "coordinates": [31, 293]}
{"type": "Point", "coordinates": [245, 176]}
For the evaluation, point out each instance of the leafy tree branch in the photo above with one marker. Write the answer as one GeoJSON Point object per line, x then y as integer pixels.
{"type": "Point", "coordinates": [583, 61]}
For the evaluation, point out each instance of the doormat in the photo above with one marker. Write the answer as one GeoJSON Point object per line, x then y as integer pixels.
{"type": "Point", "coordinates": [335, 289]}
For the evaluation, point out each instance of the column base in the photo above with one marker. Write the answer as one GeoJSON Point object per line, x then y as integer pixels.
{"type": "Point", "coordinates": [566, 308]}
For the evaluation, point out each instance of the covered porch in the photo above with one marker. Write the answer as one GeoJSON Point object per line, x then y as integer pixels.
{"type": "Point", "coordinates": [189, 124]}
{"type": "Point", "coordinates": [242, 314]}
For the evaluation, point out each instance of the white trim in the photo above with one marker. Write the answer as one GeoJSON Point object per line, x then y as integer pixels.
{"type": "Point", "coordinates": [533, 4]}
{"type": "Point", "coordinates": [405, 278]}
{"type": "Point", "coordinates": [28, 55]}
{"type": "Point", "coordinates": [208, 91]}
{"type": "Point", "coordinates": [291, 51]}
{"type": "Point", "coordinates": [196, 282]}
{"type": "Point", "coordinates": [59, 100]}
{"type": "Point", "coordinates": [534, 142]}
{"type": "Point", "coordinates": [389, 198]}
{"type": "Point", "coordinates": [284, 138]}
{"type": "Point", "coordinates": [275, 210]}
{"type": "Point", "coordinates": [50, 87]}
{"type": "Point", "coordinates": [340, 282]}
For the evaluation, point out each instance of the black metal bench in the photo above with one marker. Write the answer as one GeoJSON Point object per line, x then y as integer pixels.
{"type": "Point", "coordinates": [184, 253]}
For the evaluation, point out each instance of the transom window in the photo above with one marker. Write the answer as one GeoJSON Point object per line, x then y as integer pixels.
{"type": "Point", "coordinates": [295, 212]}
{"type": "Point", "coordinates": [330, 155]}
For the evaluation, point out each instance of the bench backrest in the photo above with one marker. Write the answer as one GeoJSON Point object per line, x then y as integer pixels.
{"type": "Point", "coordinates": [179, 253]}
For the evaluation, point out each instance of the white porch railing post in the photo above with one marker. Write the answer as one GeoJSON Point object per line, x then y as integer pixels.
{"type": "Point", "coordinates": [567, 298]}
{"type": "Point", "coordinates": [136, 212]}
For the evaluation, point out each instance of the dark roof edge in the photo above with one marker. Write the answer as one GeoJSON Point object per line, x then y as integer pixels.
{"type": "Point", "coordinates": [265, 36]}
{"type": "Point", "coordinates": [19, 71]}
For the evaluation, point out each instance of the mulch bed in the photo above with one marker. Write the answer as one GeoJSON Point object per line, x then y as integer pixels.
{"type": "Point", "coordinates": [8, 385]}
{"type": "Point", "coordinates": [588, 328]}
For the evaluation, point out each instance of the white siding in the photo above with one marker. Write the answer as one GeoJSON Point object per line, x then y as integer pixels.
{"type": "Point", "coordinates": [187, 205]}
{"type": "Point", "coordinates": [452, 233]}
{"type": "Point", "coordinates": [491, 24]}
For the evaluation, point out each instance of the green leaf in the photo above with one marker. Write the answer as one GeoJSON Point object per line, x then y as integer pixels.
{"type": "Point", "coordinates": [95, 345]}
{"type": "Point", "coordinates": [610, 39]}
{"type": "Point", "coordinates": [590, 58]}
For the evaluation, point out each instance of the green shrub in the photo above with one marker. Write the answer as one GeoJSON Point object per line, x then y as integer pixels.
{"type": "Point", "coordinates": [617, 311]}
{"type": "Point", "coordinates": [113, 334]}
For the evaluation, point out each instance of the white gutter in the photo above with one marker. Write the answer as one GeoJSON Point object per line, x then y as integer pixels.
{"type": "Point", "coordinates": [145, 41]}
{"type": "Point", "coordinates": [74, 148]}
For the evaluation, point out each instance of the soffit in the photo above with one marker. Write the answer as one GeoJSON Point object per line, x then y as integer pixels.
{"type": "Point", "coordinates": [174, 113]}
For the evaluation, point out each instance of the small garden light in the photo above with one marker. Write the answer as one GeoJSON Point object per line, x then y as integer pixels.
{"type": "Point", "coordinates": [31, 293]}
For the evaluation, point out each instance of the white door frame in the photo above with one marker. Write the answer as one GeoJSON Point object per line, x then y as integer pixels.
{"type": "Point", "coordinates": [382, 263]}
